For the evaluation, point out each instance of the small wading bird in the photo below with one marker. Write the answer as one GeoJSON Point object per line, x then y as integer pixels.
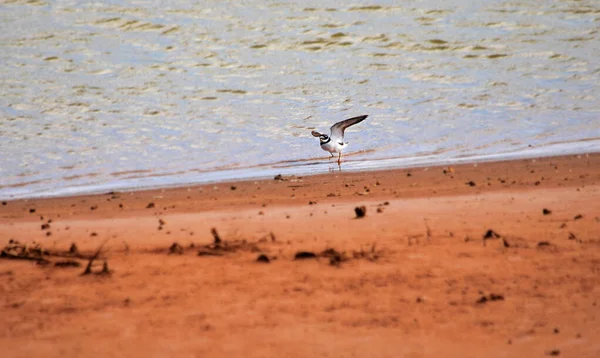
{"type": "Point", "coordinates": [334, 142]}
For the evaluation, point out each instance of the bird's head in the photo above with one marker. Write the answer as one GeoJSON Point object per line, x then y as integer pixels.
{"type": "Point", "coordinates": [322, 137]}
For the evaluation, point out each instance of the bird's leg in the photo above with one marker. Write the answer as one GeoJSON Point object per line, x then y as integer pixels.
{"type": "Point", "coordinates": [340, 158]}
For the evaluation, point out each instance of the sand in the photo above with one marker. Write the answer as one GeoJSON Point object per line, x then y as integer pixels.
{"type": "Point", "coordinates": [415, 277]}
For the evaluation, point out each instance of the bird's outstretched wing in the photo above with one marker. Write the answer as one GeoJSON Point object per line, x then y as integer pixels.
{"type": "Point", "coordinates": [337, 130]}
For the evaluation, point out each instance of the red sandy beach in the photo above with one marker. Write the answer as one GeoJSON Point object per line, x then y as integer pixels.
{"type": "Point", "coordinates": [489, 259]}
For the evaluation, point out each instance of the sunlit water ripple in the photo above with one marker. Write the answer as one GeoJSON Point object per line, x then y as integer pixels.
{"type": "Point", "coordinates": [115, 95]}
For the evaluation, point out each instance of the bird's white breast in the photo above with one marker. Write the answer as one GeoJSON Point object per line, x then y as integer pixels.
{"type": "Point", "coordinates": [333, 147]}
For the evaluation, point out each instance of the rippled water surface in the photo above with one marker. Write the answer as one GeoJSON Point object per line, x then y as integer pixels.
{"type": "Point", "coordinates": [124, 94]}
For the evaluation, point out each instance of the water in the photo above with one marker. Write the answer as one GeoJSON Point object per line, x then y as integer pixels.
{"type": "Point", "coordinates": [113, 95]}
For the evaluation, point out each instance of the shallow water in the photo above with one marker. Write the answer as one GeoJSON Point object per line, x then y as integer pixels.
{"type": "Point", "coordinates": [126, 94]}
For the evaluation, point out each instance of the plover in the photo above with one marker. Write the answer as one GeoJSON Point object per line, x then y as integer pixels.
{"type": "Point", "coordinates": [334, 142]}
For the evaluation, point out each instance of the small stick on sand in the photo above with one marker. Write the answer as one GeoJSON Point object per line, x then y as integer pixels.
{"type": "Point", "coordinates": [88, 269]}
{"type": "Point", "coordinates": [216, 236]}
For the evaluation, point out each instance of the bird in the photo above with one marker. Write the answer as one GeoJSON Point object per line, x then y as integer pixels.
{"type": "Point", "coordinates": [334, 142]}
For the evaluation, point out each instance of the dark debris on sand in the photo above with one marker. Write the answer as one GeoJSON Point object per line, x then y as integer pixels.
{"type": "Point", "coordinates": [35, 252]}
{"type": "Point", "coordinates": [360, 211]}
{"type": "Point", "coordinates": [371, 255]}
{"type": "Point", "coordinates": [175, 249]}
{"type": "Point", "coordinates": [67, 263]}
{"type": "Point", "coordinates": [18, 251]}
{"type": "Point", "coordinates": [490, 298]}
{"type": "Point", "coordinates": [215, 234]}
{"type": "Point", "coordinates": [336, 257]}
{"type": "Point", "coordinates": [73, 250]}
{"type": "Point", "coordinates": [94, 257]}
{"type": "Point", "coordinates": [220, 247]}
{"type": "Point", "coordinates": [303, 255]}
{"type": "Point", "coordinates": [491, 234]}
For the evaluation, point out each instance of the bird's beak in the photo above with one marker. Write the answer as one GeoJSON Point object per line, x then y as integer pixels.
{"type": "Point", "coordinates": [315, 134]}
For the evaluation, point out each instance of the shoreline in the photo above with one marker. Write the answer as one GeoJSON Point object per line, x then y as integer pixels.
{"type": "Point", "coordinates": [494, 258]}
{"type": "Point", "coordinates": [382, 164]}
{"type": "Point", "coordinates": [438, 165]}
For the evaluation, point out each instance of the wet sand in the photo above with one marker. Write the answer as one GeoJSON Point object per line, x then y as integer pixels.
{"type": "Point", "coordinates": [488, 259]}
